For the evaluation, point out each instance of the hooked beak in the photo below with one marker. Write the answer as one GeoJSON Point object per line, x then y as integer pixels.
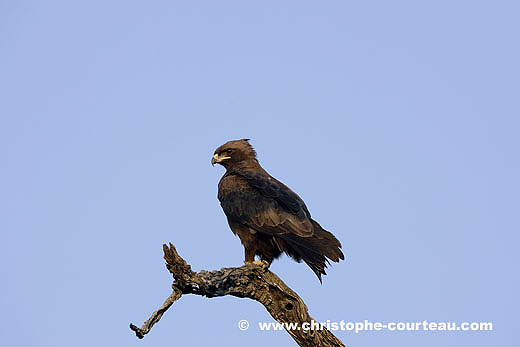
{"type": "Point", "coordinates": [216, 159]}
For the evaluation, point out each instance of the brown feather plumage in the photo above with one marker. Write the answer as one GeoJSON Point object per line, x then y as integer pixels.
{"type": "Point", "coordinates": [268, 217]}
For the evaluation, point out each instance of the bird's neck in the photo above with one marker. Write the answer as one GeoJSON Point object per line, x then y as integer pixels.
{"type": "Point", "coordinates": [244, 165]}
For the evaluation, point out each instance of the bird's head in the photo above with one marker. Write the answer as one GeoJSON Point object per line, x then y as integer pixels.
{"type": "Point", "coordinates": [234, 152]}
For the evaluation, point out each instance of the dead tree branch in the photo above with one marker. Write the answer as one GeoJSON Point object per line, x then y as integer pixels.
{"type": "Point", "coordinates": [247, 281]}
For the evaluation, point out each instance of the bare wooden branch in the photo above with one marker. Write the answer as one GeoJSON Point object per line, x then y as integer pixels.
{"type": "Point", "coordinates": [248, 281]}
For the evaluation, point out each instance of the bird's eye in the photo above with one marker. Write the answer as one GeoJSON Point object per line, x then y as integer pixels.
{"type": "Point", "coordinates": [229, 151]}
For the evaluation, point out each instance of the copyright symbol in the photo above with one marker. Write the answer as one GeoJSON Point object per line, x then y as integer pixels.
{"type": "Point", "coordinates": [243, 325]}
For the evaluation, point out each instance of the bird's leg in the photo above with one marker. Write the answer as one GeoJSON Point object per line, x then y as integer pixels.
{"type": "Point", "coordinates": [249, 255]}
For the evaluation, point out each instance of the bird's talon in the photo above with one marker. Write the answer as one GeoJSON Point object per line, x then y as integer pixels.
{"type": "Point", "coordinates": [262, 263]}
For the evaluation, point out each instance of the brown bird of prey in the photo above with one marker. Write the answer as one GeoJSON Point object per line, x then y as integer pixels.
{"type": "Point", "coordinates": [268, 217]}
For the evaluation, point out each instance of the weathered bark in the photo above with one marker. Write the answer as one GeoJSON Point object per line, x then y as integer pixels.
{"type": "Point", "coordinates": [248, 281]}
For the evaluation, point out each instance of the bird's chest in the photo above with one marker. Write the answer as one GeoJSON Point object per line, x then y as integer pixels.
{"type": "Point", "coordinates": [231, 185]}
{"type": "Point", "coordinates": [236, 195]}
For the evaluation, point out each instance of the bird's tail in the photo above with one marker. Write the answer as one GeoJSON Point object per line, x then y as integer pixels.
{"type": "Point", "coordinates": [315, 251]}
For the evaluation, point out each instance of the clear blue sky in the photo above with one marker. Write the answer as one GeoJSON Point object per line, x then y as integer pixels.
{"type": "Point", "coordinates": [397, 122]}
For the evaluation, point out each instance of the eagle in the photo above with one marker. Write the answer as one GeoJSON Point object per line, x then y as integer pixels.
{"type": "Point", "coordinates": [268, 217]}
